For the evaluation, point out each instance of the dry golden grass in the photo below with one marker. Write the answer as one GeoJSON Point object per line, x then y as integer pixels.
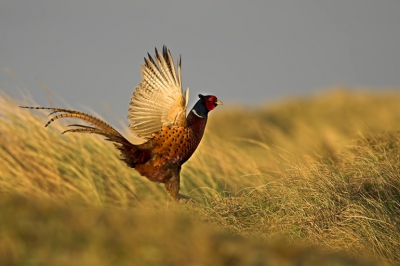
{"type": "Point", "coordinates": [270, 184]}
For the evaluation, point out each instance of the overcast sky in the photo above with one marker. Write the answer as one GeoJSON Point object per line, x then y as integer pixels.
{"type": "Point", "coordinates": [88, 52]}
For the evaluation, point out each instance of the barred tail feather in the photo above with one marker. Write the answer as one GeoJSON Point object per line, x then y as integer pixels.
{"type": "Point", "coordinates": [92, 130]}
{"type": "Point", "coordinates": [131, 154]}
{"type": "Point", "coordinates": [68, 113]}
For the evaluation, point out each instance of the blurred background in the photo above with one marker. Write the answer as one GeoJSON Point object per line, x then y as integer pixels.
{"type": "Point", "coordinates": [88, 53]}
{"type": "Point", "coordinates": [315, 162]}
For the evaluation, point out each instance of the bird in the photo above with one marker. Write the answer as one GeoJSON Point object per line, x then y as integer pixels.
{"type": "Point", "coordinates": [165, 136]}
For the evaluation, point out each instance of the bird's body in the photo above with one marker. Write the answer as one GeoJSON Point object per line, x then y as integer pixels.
{"type": "Point", "coordinates": [158, 118]}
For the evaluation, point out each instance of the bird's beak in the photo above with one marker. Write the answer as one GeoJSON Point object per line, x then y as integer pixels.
{"type": "Point", "coordinates": [219, 102]}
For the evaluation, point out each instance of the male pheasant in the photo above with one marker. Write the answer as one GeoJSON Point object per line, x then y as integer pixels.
{"type": "Point", "coordinates": [157, 114]}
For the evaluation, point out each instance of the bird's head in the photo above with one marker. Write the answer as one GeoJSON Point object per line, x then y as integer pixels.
{"type": "Point", "coordinates": [205, 104]}
{"type": "Point", "coordinates": [209, 101]}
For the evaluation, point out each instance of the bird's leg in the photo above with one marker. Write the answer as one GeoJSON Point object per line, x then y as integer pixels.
{"type": "Point", "coordinates": [186, 198]}
{"type": "Point", "coordinates": [172, 186]}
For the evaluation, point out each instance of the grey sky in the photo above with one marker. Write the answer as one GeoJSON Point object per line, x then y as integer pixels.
{"type": "Point", "coordinates": [89, 52]}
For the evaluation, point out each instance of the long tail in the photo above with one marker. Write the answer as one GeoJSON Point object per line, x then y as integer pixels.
{"type": "Point", "coordinates": [130, 153]}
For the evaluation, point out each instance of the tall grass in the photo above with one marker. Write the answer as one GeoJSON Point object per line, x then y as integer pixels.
{"type": "Point", "coordinates": [322, 171]}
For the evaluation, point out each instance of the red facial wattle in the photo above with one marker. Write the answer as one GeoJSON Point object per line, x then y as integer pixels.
{"type": "Point", "coordinates": [210, 102]}
{"type": "Point", "coordinates": [210, 105]}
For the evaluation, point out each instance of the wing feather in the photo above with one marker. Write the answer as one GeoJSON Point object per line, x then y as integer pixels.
{"type": "Point", "coordinates": [158, 99]}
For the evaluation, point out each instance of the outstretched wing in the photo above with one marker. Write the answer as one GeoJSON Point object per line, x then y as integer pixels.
{"type": "Point", "coordinates": [158, 100]}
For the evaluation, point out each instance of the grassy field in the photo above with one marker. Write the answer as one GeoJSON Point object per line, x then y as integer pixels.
{"type": "Point", "coordinates": [305, 181]}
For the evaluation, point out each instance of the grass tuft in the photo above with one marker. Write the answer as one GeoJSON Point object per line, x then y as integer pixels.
{"type": "Point", "coordinates": [311, 181]}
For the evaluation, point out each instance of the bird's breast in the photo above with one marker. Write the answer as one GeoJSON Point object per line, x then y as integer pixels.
{"type": "Point", "coordinates": [173, 145]}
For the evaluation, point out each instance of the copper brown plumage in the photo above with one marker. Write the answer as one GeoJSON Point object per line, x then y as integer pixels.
{"type": "Point", "coordinates": [166, 137]}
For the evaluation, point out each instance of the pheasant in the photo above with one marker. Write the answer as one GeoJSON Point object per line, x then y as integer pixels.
{"type": "Point", "coordinates": [167, 138]}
